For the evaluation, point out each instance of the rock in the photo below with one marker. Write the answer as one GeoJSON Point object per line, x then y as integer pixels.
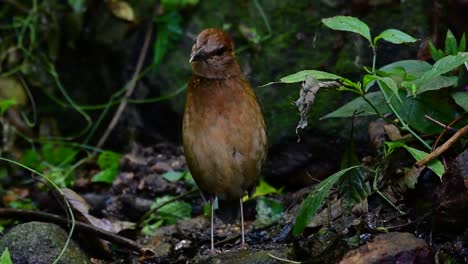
{"type": "Point", "coordinates": [393, 247]}
{"type": "Point", "coordinates": [243, 256]}
{"type": "Point", "coordinates": [40, 243]}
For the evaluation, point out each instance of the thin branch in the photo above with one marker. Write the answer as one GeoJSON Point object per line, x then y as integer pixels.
{"type": "Point", "coordinates": [132, 83]}
{"type": "Point", "coordinates": [444, 126]}
{"type": "Point", "coordinates": [460, 133]}
{"type": "Point", "coordinates": [27, 215]}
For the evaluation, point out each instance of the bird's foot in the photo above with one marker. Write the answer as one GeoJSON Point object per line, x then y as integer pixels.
{"type": "Point", "coordinates": [244, 245]}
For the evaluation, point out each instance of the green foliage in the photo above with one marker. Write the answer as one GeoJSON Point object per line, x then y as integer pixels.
{"type": "Point", "coordinates": [435, 165]}
{"type": "Point", "coordinates": [451, 46]}
{"type": "Point", "coordinates": [352, 185]}
{"type": "Point", "coordinates": [408, 89]}
{"type": "Point", "coordinates": [268, 211]}
{"type": "Point", "coordinates": [166, 215]}
{"type": "Point", "coordinates": [5, 258]}
{"type": "Point", "coordinates": [5, 104]}
{"type": "Point", "coordinates": [350, 24]}
{"type": "Point", "coordinates": [108, 162]}
{"type": "Point", "coordinates": [263, 189]}
{"type": "Point", "coordinates": [461, 98]}
{"type": "Point", "coordinates": [315, 199]}
{"type": "Point", "coordinates": [54, 160]}
{"type": "Point", "coordinates": [173, 176]}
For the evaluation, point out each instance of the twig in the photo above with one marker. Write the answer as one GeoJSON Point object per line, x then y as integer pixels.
{"type": "Point", "coordinates": [147, 214]}
{"type": "Point", "coordinates": [132, 83]}
{"type": "Point", "coordinates": [460, 117]}
{"type": "Point", "coordinates": [283, 259]}
{"type": "Point", "coordinates": [460, 133]}
{"type": "Point", "coordinates": [446, 127]}
{"type": "Point", "coordinates": [19, 214]}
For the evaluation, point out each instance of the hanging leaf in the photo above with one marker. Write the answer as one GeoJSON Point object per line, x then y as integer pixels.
{"type": "Point", "coordinates": [348, 23]}
{"type": "Point", "coordinates": [314, 200]}
{"type": "Point", "coordinates": [121, 9]}
{"type": "Point", "coordinates": [395, 36]}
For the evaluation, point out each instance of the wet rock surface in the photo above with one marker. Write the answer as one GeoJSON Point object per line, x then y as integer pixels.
{"type": "Point", "coordinates": [393, 247]}
{"type": "Point", "coordinates": [40, 243]}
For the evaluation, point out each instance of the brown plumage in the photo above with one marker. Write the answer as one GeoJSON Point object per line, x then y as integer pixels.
{"type": "Point", "coordinates": [224, 134]}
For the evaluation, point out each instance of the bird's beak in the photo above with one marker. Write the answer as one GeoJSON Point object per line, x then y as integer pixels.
{"type": "Point", "coordinates": [197, 55]}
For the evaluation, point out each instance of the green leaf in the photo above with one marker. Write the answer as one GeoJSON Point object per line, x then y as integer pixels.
{"type": "Point", "coordinates": [263, 189]}
{"type": "Point", "coordinates": [58, 155]}
{"type": "Point", "coordinates": [442, 66]}
{"type": "Point", "coordinates": [173, 176]}
{"type": "Point", "coordinates": [348, 23]}
{"type": "Point", "coordinates": [106, 175]}
{"type": "Point", "coordinates": [108, 160]}
{"type": "Point", "coordinates": [353, 187]}
{"type": "Point", "coordinates": [450, 43]}
{"type": "Point", "coordinates": [436, 53]}
{"type": "Point", "coordinates": [435, 165]}
{"type": "Point", "coordinates": [394, 36]}
{"type": "Point", "coordinates": [301, 76]}
{"type": "Point", "coordinates": [175, 211]}
{"type": "Point", "coordinates": [359, 107]}
{"type": "Point", "coordinates": [5, 104]}
{"type": "Point", "coordinates": [462, 45]}
{"type": "Point", "coordinates": [177, 4]}
{"type": "Point", "coordinates": [412, 67]}
{"type": "Point", "coordinates": [268, 212]}
{"type": "Point", "coordinates": [389, 87]}
{"type": "Point", "coordinates": [461, 98]}
{"type": "Point", "coordinates": [5, 258]}
{"type": "Point", "coordinates": [437, 83]}
{"type": "Point", "coordinates": [314, 200]}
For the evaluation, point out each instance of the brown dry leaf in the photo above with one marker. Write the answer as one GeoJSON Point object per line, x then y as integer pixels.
{"type": "Point", "coordinates": [121, 9]}
{"type": "Point", "coordinates": [392, 132]}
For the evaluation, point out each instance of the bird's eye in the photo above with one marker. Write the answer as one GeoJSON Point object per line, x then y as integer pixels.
{"type": "Point", "coordinates": [219, 51]}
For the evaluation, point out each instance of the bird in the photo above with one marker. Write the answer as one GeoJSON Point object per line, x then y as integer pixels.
{"type": "Point", "coordinates": [224, 133]}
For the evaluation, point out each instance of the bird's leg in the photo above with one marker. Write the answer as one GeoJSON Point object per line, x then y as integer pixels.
{"type": "Point", "coordinates": [243, 245]}
{"type": "Point", "coordinates": [212, 225]}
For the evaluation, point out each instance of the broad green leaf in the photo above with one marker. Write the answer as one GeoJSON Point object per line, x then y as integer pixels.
{"type": "Point", "coordinates": [263, 189]}
{"type": "Point", "coordinates": [5, 258]}
{"type": "Point", "coordinates": [359, 107]}
{"type": "Point", "coordinates": [431, 103]}
{"type": "Point", "coordinates": [442, 66]}
{"type": "Point", "coordinates": [450, 43]}
{"type": "Point", "coordinates": [175, 211]}
{"type": "Point", "coordinates": [173, 176]}
{"type": "Point", "coordinates": [301, 76]}
{"type": "Point", "coordinates": [412, 67]}
{"type": "Point", "coordinates": [314, 200]}
{"type": "Point", "coordinates": [106, 175]}
{"type": "Point", "coordinates": [348, 23]}
{"type": "Point", "coordinates": [437, 83]}
{"type": "Point", "coordinates": [461, 98]}
{"type": "Point", "coordinates": [268, 211]}
{"type": "Point", "coordinates": [108, 159]}
{"type": "Point", "coordinates": [394, 36]}
{"type": "Point", "coordinates": [177, 4]}
{"type": "Point", "coordinates": [435, 165]}
{"type": "Point", "coordinates": [389, 87]}
{"type": "Point", "coordinates": [58, 155]}
{"type": "Point", "coordinates": [108, 162]}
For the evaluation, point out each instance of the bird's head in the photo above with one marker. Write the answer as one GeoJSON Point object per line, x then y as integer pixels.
{"type": "Point", "coordinates": [212, 55]}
